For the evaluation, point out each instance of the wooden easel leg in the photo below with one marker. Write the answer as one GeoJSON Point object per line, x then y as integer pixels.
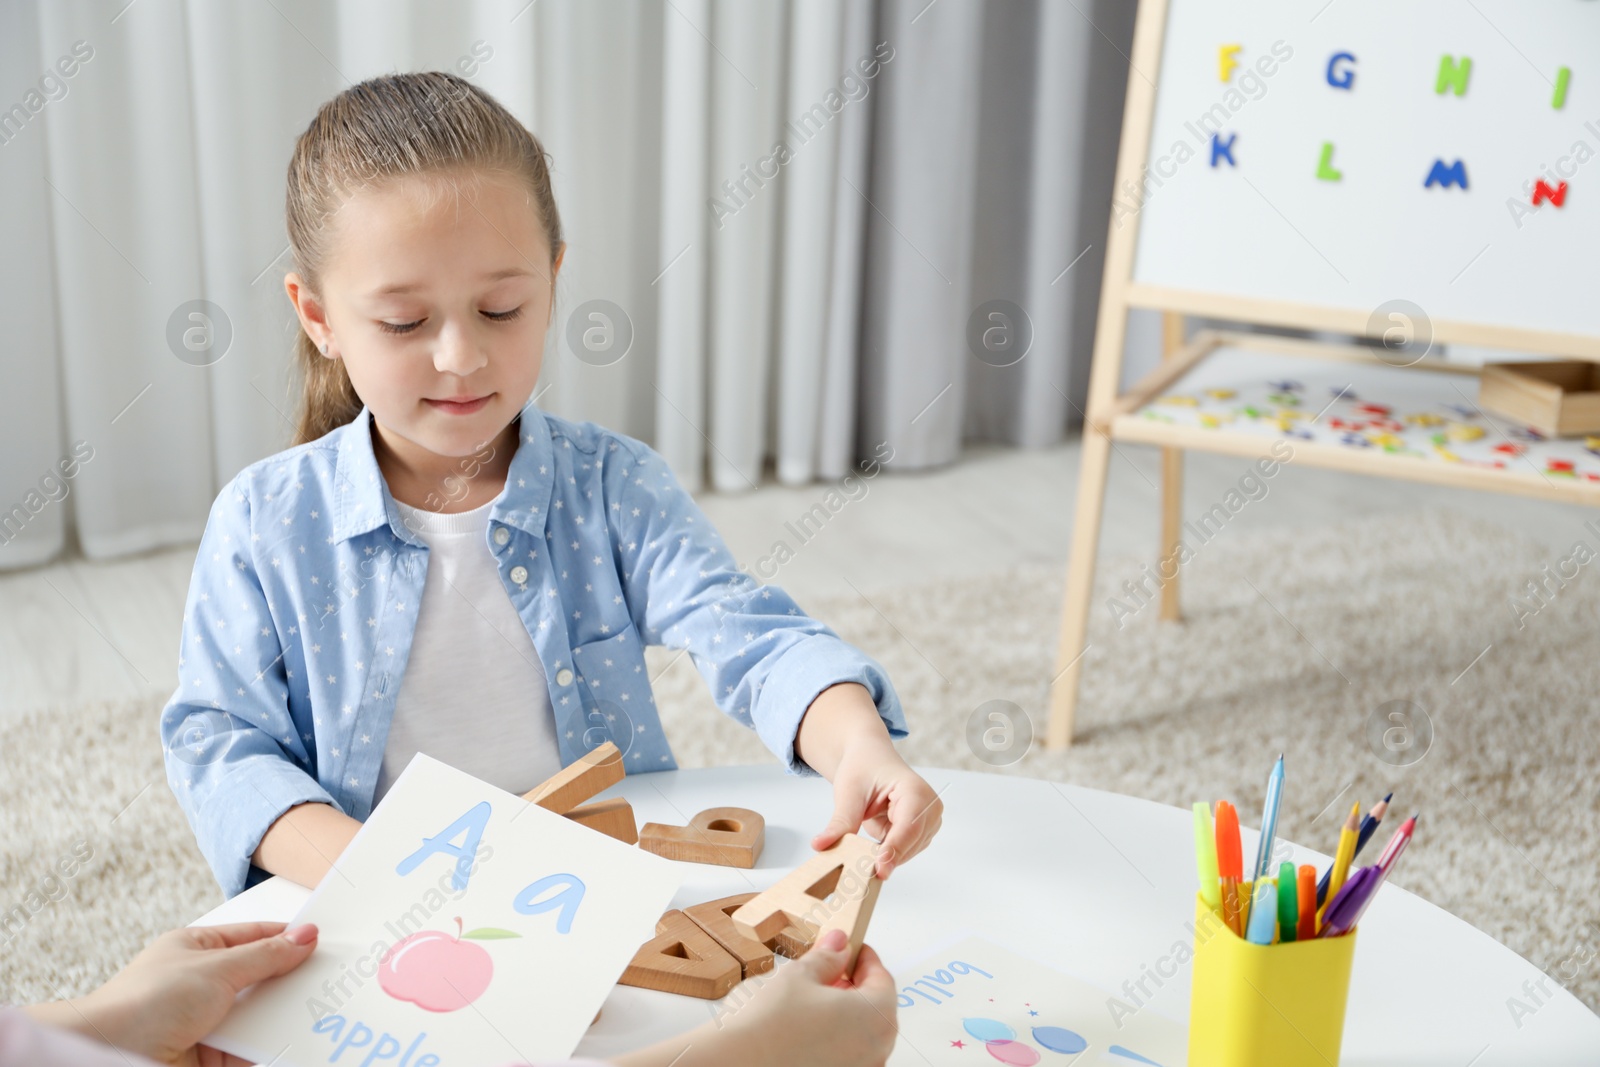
{"type": "Point", "coordinates": [1171, 531]}
{"type": "Point", "coordinates": [1080, 585]}
{"type": "Point", "coordinates": [1171, 487]}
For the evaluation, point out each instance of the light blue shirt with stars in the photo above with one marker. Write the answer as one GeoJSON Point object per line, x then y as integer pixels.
{"type": "Point", "coordinates": [304, 598]}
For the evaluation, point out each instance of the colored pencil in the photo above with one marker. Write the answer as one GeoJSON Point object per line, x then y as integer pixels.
{"type": "Point", "coordinates": [1368, 825]}
{"type": "Point", "coordinates": [1343, 857]}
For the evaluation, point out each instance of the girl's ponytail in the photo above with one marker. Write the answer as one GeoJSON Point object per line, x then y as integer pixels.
{"type": "Point", "coordinates": [329, 400]}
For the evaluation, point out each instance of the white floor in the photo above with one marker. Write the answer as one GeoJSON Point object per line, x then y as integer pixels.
{"type": "Point", "coordinates": [78, 631]}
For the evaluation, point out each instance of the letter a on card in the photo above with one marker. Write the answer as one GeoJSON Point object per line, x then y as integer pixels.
{"type": "Point", "coordinates": [833, 890]}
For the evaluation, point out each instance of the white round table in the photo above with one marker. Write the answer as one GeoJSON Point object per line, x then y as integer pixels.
{"type": "Point", "coordinates": [1102, 886]}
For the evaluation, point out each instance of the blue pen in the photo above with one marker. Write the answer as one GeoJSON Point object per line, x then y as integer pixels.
{"type": "Point", "coordinates": [1269, 821]}
{"type": "Point", "coordinates": [1264, 913]}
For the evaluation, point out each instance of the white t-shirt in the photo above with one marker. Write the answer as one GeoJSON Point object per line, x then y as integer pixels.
{"type": "Point", "coordinates": [474, 693]}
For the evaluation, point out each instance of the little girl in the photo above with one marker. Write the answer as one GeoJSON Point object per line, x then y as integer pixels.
{"type": "Point", "coordinates": [437, 565]}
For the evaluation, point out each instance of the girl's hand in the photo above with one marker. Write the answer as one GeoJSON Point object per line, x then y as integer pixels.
{"type": "Point", "coordinates": [877, 791]}
{"type": "Point", "coordinates": [181, 987]}
{"type": "Point", "coordinates": [813, 1012]}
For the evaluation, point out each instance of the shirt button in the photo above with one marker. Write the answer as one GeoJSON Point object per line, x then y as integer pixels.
{"type": "Point", "coordinates": [563, 677]}
{"type": "Point", "coordinates": [519, 574]}
{"type": "Point", "coordinates": [502, 535]}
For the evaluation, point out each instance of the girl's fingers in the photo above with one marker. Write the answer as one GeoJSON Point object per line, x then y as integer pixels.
{"type": "Point", "coordinates": [905, 836]}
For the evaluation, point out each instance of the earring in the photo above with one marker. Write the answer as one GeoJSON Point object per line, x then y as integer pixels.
{"type": "Point", "coordinates": [324, 348]}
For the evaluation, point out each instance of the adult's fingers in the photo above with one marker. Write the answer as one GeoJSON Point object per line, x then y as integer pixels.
{"type": "Point", "coordinates": [825, 962]}
{"type": "Point", "coordinates": [872, 977]}
{"type": "Point", "coordinates": [230, 934]}
{"type": "Point", "coordinates": [246, 964]}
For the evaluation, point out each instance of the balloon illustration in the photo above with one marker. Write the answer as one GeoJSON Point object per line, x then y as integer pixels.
{"type": "Point", "coordinates": [1001, 1042]}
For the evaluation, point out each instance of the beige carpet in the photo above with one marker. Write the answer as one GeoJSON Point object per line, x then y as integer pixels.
{"type": "Point", "coordinates": [1292, 639]}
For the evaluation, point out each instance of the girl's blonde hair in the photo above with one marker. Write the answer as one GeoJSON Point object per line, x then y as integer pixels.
{"type": "Point", "coordinates": [428, 123]}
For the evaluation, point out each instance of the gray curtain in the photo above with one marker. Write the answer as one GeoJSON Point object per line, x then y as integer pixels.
{"type": "Point", "coordinates": [844, 302]}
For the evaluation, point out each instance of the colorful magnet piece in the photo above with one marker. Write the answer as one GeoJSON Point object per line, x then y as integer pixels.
{"type": "Point", "coordinates": [1387, 441]}
{"type": "Point", "coordinates": [1221, 149]}
{"type": "Point", "coordinates": [1445, 454]}
{"type": "Point", "coordinates": [1221, 394]}
{"type": "Point", "coordinates": [1509, 448]}
{"type": "Point", "coordinates": [1179, 401]}
{"type": "Point", "coordinates": [1425, 418]}
{"type": "Point", "coordinates": [1561, 466]}
{"type": "Point", "coordinates": [1341, 77]}
{"type": "Point", "coordinates": [1287, 400]}
{"type": "Point", "coordinates": [1354, 440]}
{"type": "Point", "coordinates": [1462, 432]}
{"type": "Point", "coordinates": [1226, 62]}
{"type": "Point", "coordinates": [1453, 75]}
{"type": "Point", "coordinates": [1212, 421]}
{"type": "Point", "coordinates": [1592, 444]}
{"type": "Point", "coordinates": [1543, 192]}
{"type": "Point", "coordinates": [1559, 99]}
{"type": "Point", "coordinates": [1445, 177]}
{"type": "Point", "coordinates": [1326, 171]}
{"type": "Point", "coordinates": [1374, 409]}
{"type": "Point", "coordinates": [1285, 386]}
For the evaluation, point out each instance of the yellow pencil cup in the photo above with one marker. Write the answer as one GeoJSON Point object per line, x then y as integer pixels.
{"type": "Point", "coordinates": [1280, 1005]}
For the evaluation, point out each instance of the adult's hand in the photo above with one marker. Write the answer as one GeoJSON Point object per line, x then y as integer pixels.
{"type": "Point", "coordinates": [180, 988]}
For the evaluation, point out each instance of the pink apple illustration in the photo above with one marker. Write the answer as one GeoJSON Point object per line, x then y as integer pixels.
{"type": "Point", "coordinates": [439, 971]}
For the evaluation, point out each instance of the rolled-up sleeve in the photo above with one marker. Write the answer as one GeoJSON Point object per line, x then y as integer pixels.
{"type": "Point", "coordinates": [234, 757]}
{"type": "Point", "coordinates": [764, 659]}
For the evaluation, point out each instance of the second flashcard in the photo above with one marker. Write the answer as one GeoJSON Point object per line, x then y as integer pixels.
{"type": "Point", "coordinates": [975, 1003]}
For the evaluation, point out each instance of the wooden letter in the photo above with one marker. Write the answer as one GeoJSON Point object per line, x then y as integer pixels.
{"type": "Point", "coordinates": [613, 817]}
{"type": "Point", "coordinates": [730, 837]}
{"type": "Point", "coordinates": [713, 918]}
{"type": "Point", "coordinates": [597, 770]}
{"type": "Point", "coordinates": [683, 959]}
{"type": "Point", "coordinates": [833, 890]}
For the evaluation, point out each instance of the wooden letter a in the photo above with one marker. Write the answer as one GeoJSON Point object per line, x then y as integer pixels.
{"type": "Point", "coordinates": [833, 890]}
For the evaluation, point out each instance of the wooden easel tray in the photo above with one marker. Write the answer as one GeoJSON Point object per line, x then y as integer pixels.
{"type": "Point", "coordinates": [1341, 407]}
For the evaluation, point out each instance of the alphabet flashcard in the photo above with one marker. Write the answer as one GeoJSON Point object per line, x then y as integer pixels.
{"type": "Point", "coordinates": [462, 926]}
